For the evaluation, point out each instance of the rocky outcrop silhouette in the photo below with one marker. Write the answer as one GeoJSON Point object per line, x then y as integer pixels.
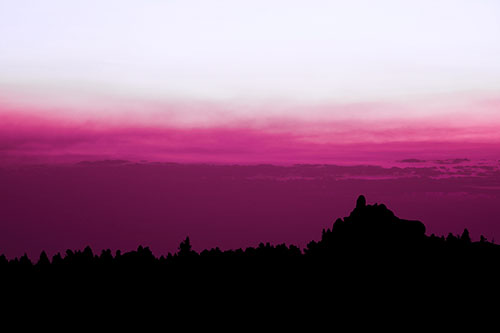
{"type": "Point", "coordinates": [376, 223]}
{"type": "Point", "coordinates": [372, 233]}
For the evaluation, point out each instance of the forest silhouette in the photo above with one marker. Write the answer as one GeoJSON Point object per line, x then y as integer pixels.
{"type": "Point", "coordinates": [369, 251]}
{"type": "Point", "coordinates": [369, 233]}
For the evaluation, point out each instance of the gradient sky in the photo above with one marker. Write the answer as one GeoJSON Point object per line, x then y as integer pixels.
{"type": "Point", "coordinates": [232, 81]}
{"type": "Point", "coordinates": [404, 95]}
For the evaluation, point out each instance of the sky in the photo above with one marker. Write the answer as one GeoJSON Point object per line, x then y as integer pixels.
{"type": "Point", "coordinates": [85, 79]}
{"type": "Point", "coordinates": [213, 61]}
{"type": "Point", "coordinates": [127, 87]}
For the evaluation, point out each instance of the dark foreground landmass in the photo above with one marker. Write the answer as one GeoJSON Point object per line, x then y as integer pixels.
{"type": "Point", "coordinates": [371, 254]}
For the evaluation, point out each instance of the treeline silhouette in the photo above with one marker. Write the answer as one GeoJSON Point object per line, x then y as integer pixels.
{"type": "Point", "coordinates": [370, 232]}
{"type": "Point", "coordinates": [369, 257]}
{"type": "Point", "coordinates": [370, 237]}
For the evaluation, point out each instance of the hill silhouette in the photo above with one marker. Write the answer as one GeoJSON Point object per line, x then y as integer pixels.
{"type": "Point", "coordinates": [370, 252]}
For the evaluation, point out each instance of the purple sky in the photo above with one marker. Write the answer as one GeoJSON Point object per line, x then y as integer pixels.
{"type": "Point", "coordinates": [119, 205]}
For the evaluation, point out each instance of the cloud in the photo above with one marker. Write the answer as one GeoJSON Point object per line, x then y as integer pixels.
{"type": "Point", "coordinates": [452, 161]}
{"type": "Point", "coordinates": [32, 134]}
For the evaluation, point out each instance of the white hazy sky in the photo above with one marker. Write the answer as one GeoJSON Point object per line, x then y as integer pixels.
{"type": "Point", "coordinates": [276, 50]}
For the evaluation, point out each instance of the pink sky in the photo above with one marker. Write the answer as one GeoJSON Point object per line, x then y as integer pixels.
{"type": "Point", "coordinates": [405, 95]}
{"type": "Point", "coordinates": [440, 166]}
{"type": "Point", "coordinates": [351, 133]}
